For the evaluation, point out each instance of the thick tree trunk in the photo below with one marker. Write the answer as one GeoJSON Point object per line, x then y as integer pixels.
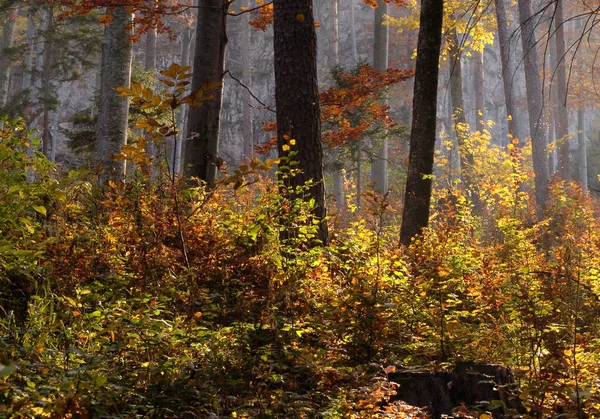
{"type": "Point", "coordinates": [583, 175]}
{"type": "Point", "coordinates": [6, 42]}
{"type": "Point", "coordinates": [561, 78]}
{"type": "Point", "coordinates": [534, 104]}
{"type": "Point", "coordinates": [508, 70]}
{"type": "Point", "coordinates": [423, 130]}
{"type": "Point", "coordinates": [202, 139]}
{"type": "Point", "coordinates": [297, 98]}
{"type": "Point", "coordinates": [379, 167]}
{"type": "Point", "coordinates": [478, 87]}
{"type": "Point", "coordinates": [111, 128]}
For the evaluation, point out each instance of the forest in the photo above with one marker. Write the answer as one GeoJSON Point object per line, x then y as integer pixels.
{"type": "Point", "coordinates": [299, 209]}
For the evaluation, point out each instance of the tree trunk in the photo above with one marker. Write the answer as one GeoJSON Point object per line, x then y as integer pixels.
{"type": "Point", "coordinates": [174, 150]}
{"type": "Point", "coordinates": [379, 167]}
{"type": "Point", "coordinates": [6, 42]}
{"type": "Point", "coordinates": [534, 104]}
{"type": "Point", "coordinates": [26, 84]}
{"type": "Point", "coordinates": [247, 116]}
{"type": "Point", "coordinates": [47, 137]}
{"type": "Point", "coordinates": [583, 175]}
{"type": "Point", "coordinates": [297, 98]}
{"type": "Point", "coordinates": [561, 77]}
{"type": "Point", "coordinates": [417, 197]}
{"type": "Point", "coordinates": [461, 127]}
{"type": "Point", "coordinates": [353, 32]}
{"type": "Point", "coordinates": [111, 128]}
{"type": "Point", "coordinates": [478, 88]}
{"type": "Point", "coordinates": [150, 50]}
{"type": "Point", "coordinates": [202, 143]}
{"type": "Point", "coordinates": [508, 70]}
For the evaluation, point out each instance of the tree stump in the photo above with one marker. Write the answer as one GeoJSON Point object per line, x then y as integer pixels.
{"type": "Point", "coordinates": [488, 387]}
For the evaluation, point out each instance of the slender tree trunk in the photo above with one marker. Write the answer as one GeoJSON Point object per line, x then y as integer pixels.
{"type": "Point", "coordinates": [111, 128]}
{"type": "Point", "coordinates": [247, 116]}
{"type": "Point", "coordinates": [175, 148]}
{"type": "Point", "coordinates": [561, 77]}
{"type": "Point", "coordinates": [417, 197]}
{"type": "Point", "coordinates": [26, 84]}
{"type": "Point", "coordinates": [297, 98]}
{"type": "Point", "coordinates": [478, 87]}
{"type": "Point", "coordinates": [461, 127]}
{"type": "Point", "coordinates": [583, 175]}
{"type": "Point", "coordinates": [47, 137]}
{"type": "Point", "coordinates": [334, 61]}
{"type": "Point", "coordinates": [508, 70]}
{"type": "Point", "coordinates": [150, 50]}
{"type": "Point", "coordinates": [202, 145]}
{"type": "Point", "coordinates": [353, 31]}
{"type": "Point", "coordinates": [6, 42]}
{"type": "Point", "coordinates": [379, 167]}
{"type": "Point", "coordinates": [553, 159]}
{"type": "Point", "coordinates": [534, 104]}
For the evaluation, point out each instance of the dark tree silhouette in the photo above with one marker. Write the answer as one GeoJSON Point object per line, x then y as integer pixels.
{"type": "Point", "coordinates": [422, 136]}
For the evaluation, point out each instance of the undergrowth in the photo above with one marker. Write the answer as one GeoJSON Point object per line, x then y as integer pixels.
{"type": "Point", "coordinates": [157, 299]}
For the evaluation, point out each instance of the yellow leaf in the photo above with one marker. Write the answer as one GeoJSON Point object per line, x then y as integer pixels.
{"type": "Point", "coordinates": [300, 18]}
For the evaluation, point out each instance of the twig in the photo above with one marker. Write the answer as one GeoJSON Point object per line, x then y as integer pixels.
{"type": "Point", "coordinates": [267, 107]}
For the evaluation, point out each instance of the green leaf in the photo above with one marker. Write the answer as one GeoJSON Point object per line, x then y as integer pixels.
{"type": "Point", "coordinates": [41, 209]}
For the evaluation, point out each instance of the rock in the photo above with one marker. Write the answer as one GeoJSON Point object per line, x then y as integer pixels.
{"type": "Point", "coordinates": [488, 387]}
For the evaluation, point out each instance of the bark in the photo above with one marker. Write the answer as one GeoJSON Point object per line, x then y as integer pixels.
{"type": "Point", "coordinates": [150, 50]}
{"type": "Point", "coordinates": [508, 70]}
{"type": "Point", "coordinates": [47, 137]}
{"type": "Point", "coordinates": [379, 167]}
{"type": "Point", "coordinates": [247, 117]}
{"type": "Point", "coordinates": [353, 31]}
{"type": "Point", "coordinates": [111, 128]}
{"type": "Point", "coordinates": [423, 130]}
{"type": "Point", "coordinates": [26, 83]}
{"type": "Point", "coordinates": [561, 78]}
{"type": "Point", "coordinates": [297, 98]}
{"type": "Point", "coordinates": [334, 61]}
{"type": "Point", "coordinates": [202, 146]}
{"type": "Point", "coordinates": [6, 42]}
{"type": "Point", "coordinates": [533, 86]}
{"type": "Point", "coordinates": [458, 110]}
{"type": "Point", "coordinates": [478, 77]}
{"type": "Point", "coordinates": [174, 151]}
{"type": "Point", "coordinates": [583, 176]}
